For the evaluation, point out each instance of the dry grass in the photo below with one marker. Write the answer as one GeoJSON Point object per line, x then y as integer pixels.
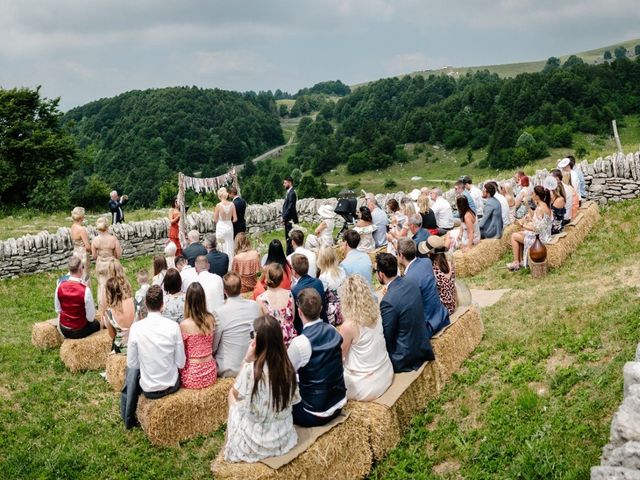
{"type": "Point", "coordinates": [88, 353]}
{"type": "Point", "coordinates": [45, 335]}
{"type": "Point", "coordinates": [116, 371]}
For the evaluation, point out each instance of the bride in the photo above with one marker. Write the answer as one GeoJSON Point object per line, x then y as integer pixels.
{"type": "Point", "coordinates": [224, 215]}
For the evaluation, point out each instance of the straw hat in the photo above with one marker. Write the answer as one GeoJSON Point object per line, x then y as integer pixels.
{"type": "Point", "coordinates": [326, 211]}
{"type": "Point", "coordinates": [430, 244]}
{"type": "Point", "coordinates": [415, 193]}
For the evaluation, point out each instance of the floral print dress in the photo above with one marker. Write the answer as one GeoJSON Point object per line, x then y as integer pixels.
{"type": "Point", "coordinates": [284, 315]}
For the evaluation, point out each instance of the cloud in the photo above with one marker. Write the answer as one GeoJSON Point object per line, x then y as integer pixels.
{"type": "Point", "coordinates": [220, 62]}
{"type": "Point", "coordinates": [407, 62]}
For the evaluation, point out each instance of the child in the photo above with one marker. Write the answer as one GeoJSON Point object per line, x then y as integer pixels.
{"type": "Point", "coordinates": [143, 280]}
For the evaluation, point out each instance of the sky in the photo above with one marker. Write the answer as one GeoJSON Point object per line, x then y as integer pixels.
{"type": "Point", "coordinates": [83, 50]}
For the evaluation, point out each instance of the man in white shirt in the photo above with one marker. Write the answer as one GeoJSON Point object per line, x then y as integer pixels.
{"type": "Point", "coordinates": [297, 242]}
{"type": "Point", "coordinates": [316, 355]}
{"type": "Point", "coordinates": [188, 274]}
{"type": "Point", "coordinates": [234, 323]}
{"type": "Point", "coordinates": [476, 194]}
{"type": "Point", "coordinates": [442, 211]}
{"type": "Point", "coordinates": [211, 284]}
{"type": "Point", "coordinates": [504, 205]}
{"type": "Point", "coordinates": [156, 348]}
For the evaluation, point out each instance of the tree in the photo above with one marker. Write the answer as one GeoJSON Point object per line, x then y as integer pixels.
{"type": "Point", "coordinates": [284, 110]}
{"type": "Point", "coordinates": [607, 55]}
{"type": "Point", "coordinates": [620, 52]}
{"type": "Point", "coordinates": [553, 63]}
{"type": "Point", "coordinates": [637, 50]}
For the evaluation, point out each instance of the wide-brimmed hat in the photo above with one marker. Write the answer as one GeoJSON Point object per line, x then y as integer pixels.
{"type": "Point", "coordinates": [430, 244]}
{"type": "Point", "coordinates": [326, 211]}
{"type": "Point", "coordinates": [414, 194]}
{"type": "Point", "coordinates": [564, 163]}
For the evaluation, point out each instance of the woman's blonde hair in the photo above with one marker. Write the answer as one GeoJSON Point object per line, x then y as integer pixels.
{"type": "Point", "coordinates": [408, 208]}
{"type": "Point", "coordinates": [222, 193]}
{"type": "Point", "coordinates": [102, 224]}
{"type": "Point", "coordinates": [506, 189]}
{"type": "Point", "coordinates": [243, 243]}
{"type": "Point", "coordinates": [328, 261]}
{"type": "Point", "coordinates": [357, 302]}
{"type": "Point", "coordinates": [423, 203]}
{"type": "Point", "coordinates": [115, 270]}
{"type": "Point", "coordinates": [77, 214]}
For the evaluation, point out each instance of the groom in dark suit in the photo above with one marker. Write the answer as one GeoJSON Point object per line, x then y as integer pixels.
{"type": "Point", "coordinates": [289, 212]}
{"type": "Point", "coordinates": [239, 225]}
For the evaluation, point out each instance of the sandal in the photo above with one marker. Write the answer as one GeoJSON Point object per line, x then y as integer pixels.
{"type": "Point", "coordinates": [513, 266]}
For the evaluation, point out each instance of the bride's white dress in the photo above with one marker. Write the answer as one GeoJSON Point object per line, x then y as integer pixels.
{"type": "Point", "coordinates": [224, 231]}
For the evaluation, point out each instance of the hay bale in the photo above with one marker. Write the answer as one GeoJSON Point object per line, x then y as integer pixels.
{"type": "Point", "coordinates": [576, 233]}
{"type": "Point", "coordinates": [343, 452]}
{"type": "Point", "coordinates": [45, 335]}
{"type": "Point", "coordinates": [506, 235]}
{"type": "Point", "coordinates": [483, 255]}
{"type": "Point", "coordinates": [185, 414]}
{"type": "Point", "coordinates": [463, 294]}
{"type": "Point", "coordinates": [385, 430]}
{"type": "Point", "coordinates": [88, 353]}
{"type": "Point", "coordinates": [116, 370]}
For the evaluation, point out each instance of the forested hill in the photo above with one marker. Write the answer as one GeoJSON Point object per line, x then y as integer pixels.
{"type": "Point", "coordinates": [137, 141]}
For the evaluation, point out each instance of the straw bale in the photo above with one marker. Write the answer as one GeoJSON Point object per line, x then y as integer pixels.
{"type": "Point", "coordinates": [116, 370]}
{"type": "Point", "coordinates": [343, 452]}
{"type": "Point", "coordinates": [558, 253]}
{"type": "Point", "coordinates": [463, 294]}
{"type": "Point", "coordinates": [372, 254]}
{"type": "Point", "coordinates": [506, 235]}
{"type": "Point", "coordinates": [185, 414]}
{"type": "Point", "coordinates": [385, 430]}
{"type": "Point", "coordinates": [484, 254]}
{"type": "Point", "coordinates": [45, 335]}
{"type": "Point", "coordinates": [88, 353]}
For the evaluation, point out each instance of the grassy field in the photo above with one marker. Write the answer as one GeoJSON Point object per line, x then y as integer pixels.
{"type": "Point", "coordinates": [534, 400]}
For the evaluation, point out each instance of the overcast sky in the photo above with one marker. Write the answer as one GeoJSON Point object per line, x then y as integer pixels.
{"type": "Point", "coordinates": [82, 50]}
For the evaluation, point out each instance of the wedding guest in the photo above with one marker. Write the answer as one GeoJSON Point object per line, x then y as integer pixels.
{"type": "Point", "coordinates": [142, 278]}
{"type": "Point", "coordinates": [80, 239]}
{"type": "Point", "coordinates": [365, 227]}
{"type": "Point", "coordinates": [246, 262]}
{"type": "Point", "coordinates": [188, 274]}
{"type": "Point", "coordinates": [218, 261]}
{"type": "Point", "coordinates": [332, 275]}
{"type": "Point", "coordinates": [297, 240]}
{"type": "Point", "coordinates": [324, 231]}
{"type": "Point", "coordinates": [174, 226]}
{"type": "Point", "coordinates": [275, 254]}
{"type": "Point", "coordinates": [120, 313]}
{"type": "Point", "coordinates": [194, 249]}
{"type": "Point", "coordinates": [211, 284]}
{"type": "Point", "coordinates": [173, 301]}
{"type": "Point", "coordinates": [104, 248]}
{"type": "Point", "coordinates": [442, 210]}
{"type": "Point", "coordinates": [159, 269]}
{"type": "Point", "coordinates": [380, 220]}
{"type": "Point", "coordinates": [277, 301]}
{"type": "Point", "coordinates": [303, 280]}
{"type": "Point", "coordinates": [74, 304]}
{"type": "Point", "coordinates": [444, 271]}
{"type": "Point", "coordinates": [491, 223]}
{"type": "Point", "coordinates": [355, 261]}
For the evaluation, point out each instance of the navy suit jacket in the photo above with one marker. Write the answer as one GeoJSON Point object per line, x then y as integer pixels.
{"type": "Point", "coordinates": [289, 212]}
{"type": "Point", "coordinates": [421, 236]}
{"type": "Point", "coordinates": [218, 262]}
{"type": "Point", "coordinates": [420, 272]}
{"type": "Point", "coordinates": [240, 225]}
{"type": "Point", "coordinates": [307, 281]}
{"type": "Point", "coordinates": [193, 251]}
{"type": "Point", "coordinates": [405, 331]}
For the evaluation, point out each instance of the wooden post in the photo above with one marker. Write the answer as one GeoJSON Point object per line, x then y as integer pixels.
{"type": "Point", "coordinates": [616, 136]}
{"type": "Point", "coordinates": [538, 269]}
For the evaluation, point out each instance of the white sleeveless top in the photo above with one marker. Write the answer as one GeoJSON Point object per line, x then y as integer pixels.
{"type": "Point", "coordinates": [369, 352]}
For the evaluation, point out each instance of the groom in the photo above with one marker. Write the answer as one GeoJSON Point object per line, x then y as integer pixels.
{"type": "Point", "coordinates": [289, 213]}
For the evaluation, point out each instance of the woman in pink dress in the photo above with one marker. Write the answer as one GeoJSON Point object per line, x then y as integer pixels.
{"type": "Point", "coordinates": [200, 369]}
{"type": "Point", "coordinates": [278, 302]}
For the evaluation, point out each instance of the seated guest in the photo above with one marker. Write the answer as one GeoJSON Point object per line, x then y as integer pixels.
{"type": "Point", "coordinates": [197, 333]}
{"type": "Point", "coordinates": [211, 283]}
{"type": "Point", "coordinates": [143, 281]}
{"type": "Point", "coordinates": [399, 223]}
{"type": "Point", "coordinates": [233, 326]}
{"type": "Point", "coordinates": [578, 179]}
{"type": "Point", "coordinates": [523, 196]}
{"type": "Point", "coordinates": [569, 195]}
{"type": "Point", "coordinates": [365, 227]}
{"type": "Point", "coordinates": [324, 232]}
{"type": "Point", "coordinates": [188, 273]}
{"type": "Point", "coordinates": [277, 301]}
{"type": "Point", "coordinates": [304, 280]}
{"type": "Point", "coordinates": [74, 304]}
{"type": "Point", "coordinates": [380, 220]}
{"type": "Point", "coordinates": [491, 223]}
{"type": "Point", "coordinates": [316, 355]}
{"type": "Point", "coordinates": [397, 217]}
{"type": "Point", "coordinates": [120, 314]}
{"type": "Point", "coordinates": [173, 302]}
{"type": "Point", "coordinates": [275, 254]}
{"type": "Point", "coordinates": [246, 262]}
{"type": "Point", "coordinates": [507, 192]}
{"type": "Point", "coordinates": [297, 240]}
{"type": "Point", "coordinates": [355, 261]}
{"type": "Point", "coordinates": [460, 189]}
{"type": "Point", "coordinates": [428, 217]}
{"type": "Point", "coordinates": [260, 423]}
{"type": "Point", "coordinates": [504, 205]}
{"type": "Point", "coordinates": [418, 234]}
{"type": "Point", "coordinates": [476, 194]}
{"type": "Point", "coordinates": [405, 332]}
{"type": "Point", "coordinates": [468, 235]}
{"type": "Point", "coordinates": [444, 272]}
{"type": "Point", "coordinates": [156, 348]}
{"type": "Point", "coordinates": [218, 261]}
{"type": "Point", "coordinates": [331, 275]}
{"type": "Point", "coordinates": [442, 210]}
{"type": "Point", "coordinates": [420, 271]}
{"type": "Point", "coordinates": [170, 250]}
{"type": "Point", "coordinates": [558, 203]}
{"type": "Point", "coordinates": [159, 269]}
{"type": "Point", "coordinates": [368, 371]}
{"type": "Point", "coordinates": [195, 248]}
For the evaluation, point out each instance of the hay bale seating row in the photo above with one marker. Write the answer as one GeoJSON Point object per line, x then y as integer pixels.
{"type": "Point", "coordinates": [484, 254]}
{"type": "Point", "coordinates": [88, 353]}
{"type": "Point", "coordinates": [45, 335]}
{"type": "Point", "coordinates": [576, 231]}
{"type": "Point", "coordinates": [372, 429]}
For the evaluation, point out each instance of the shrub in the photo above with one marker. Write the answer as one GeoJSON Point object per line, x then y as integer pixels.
{"type": "Point", "coordinates": [390, 183]}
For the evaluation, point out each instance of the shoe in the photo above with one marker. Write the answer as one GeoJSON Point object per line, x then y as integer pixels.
{"type": "Point", "coordinates": [513, 266]}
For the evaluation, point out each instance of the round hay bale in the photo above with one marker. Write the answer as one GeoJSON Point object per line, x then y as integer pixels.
{"type": "Point", "coordinates": [116, 370]}
{"type": "Point", "coordinates": [45, 335]}
{"type": "Point", "coordinates": [463, 294]}
{"type": "Point", "coordinates": [185, 414]}
{"type": "Point", "coordinates": [483, 255]}
{"type": "Point", "coordinates": [88, 353]}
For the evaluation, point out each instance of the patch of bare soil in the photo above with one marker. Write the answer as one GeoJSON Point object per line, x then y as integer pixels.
{"type": "Point", "coordinates": [559, 359]}
{"type": "Point", "coordinates": [446, 468]}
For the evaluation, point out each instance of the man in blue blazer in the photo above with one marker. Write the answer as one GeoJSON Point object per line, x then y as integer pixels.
{"type": "Point", "coordinates": [289, 212]}
{"type": "Point", "coordinates": [420, 271]}
{"type": "Point", "coordinates": [302, 280]}
{"type": "Point", "coordinates": [405, 331]}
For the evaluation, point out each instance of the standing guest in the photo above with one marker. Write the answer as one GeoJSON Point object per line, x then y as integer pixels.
{"type": "Point", "coordinates": [80, 239]}
{"type": "Point", "coordinates": [368, 371]}
{"type": "Point", "coordinates": [316, 355]}
{"type": "Point", "coordinates": [275, 254]}
{"type": "Point", "coordinates": [428, 217]}
{"type": "Point", "coordinates": [443, 271]}
{"type": "Point", "coordinates": [442, 210]}
{"type": "Point", "coordinates": [157, 349]}
{"type": "Point", "coordinates": [218, 261]}
{"type": "Point", "coordinates": [420, 271]}
{"type": "Point", "coordinates": [303, 280]}
{"type": "Point", "coordinates": [74, 304]}
{"type": "Point", "coordinates": [197, 333]}
{"type": "Point", "coordinates": [507, 192]}
{"type": "Point", "coordinates": [355, 261]}
{"type": "Point", "coordinates": [581, 186]}
{"type": "Point", "coordinates": [174, 225]}
{"type": "Point", "coordinates": [115, 206]}
{"type": "Point", "coordinates": [380, 220]}
{"type": "Point", "coordinates": [194, 249]}
{"type": "Point", "coordinates": [159, 269]}
{"type": "Point", "coordinates": [120, 313]}
{"type": "Point", "coordinates": [246, 263]}
{"type": "Point", "coordinates": [233, 326]}
{"type": "Point", "coordinates": [170, 250]}
{"type": "Point", "coordinates": [278, 302]}
{"type": "Point", "coordinates": [138, 299]}
{"type": "Point", "coordinates": [468, 235]}
{"type": "Point", "coordinates": [324, 232]}
{"type": "Point", "coordinates": [224, 215]}
{"type": "Point", "coordinates": [240, 225]}
{"type": "Point", "coordinates": [260, 423]}
{"type": "Point", "coordinates": [297, 240]}
{"type": "Point", "coordinates": [188, 273]}
{"type": "Point", "coordinates": [491, 223]}
{"type": "Point", "coordinates": [211, 284]}
{"type": "Point", "coordinates": [504, 204]}
{"type": "Point", "coordinates": [289, 212]}
{"type": "Point", "coordinates": [405, 331]}
{"type": "Point", "coordinates": [476, 194]}
{"type": "Point", "coordinates": [174, 296]}
{"type": "Point", "coordinates": [365, 228]}
{"type": "Point", "coordinates": [104, 248]}
{"type": "Point", "coordinates": [418, 234]}
{"type": "Point", "coordinates": [332, 275]}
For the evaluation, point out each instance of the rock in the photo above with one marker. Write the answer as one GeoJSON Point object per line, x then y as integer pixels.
{"type": "Point", "coordinates": [627, 456]}
{"type": "Point", "coordinates": [614, 473]}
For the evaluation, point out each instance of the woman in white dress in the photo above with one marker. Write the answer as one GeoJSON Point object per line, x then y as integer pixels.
{"type": "Point", "coordinates": [368, 371]}
{"type": "Point", "coordinates": [324, 233]}
{"type": "Point", "coordinates": [224, 215]}
{"type": "Point", "coordinates": [365, 227]}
